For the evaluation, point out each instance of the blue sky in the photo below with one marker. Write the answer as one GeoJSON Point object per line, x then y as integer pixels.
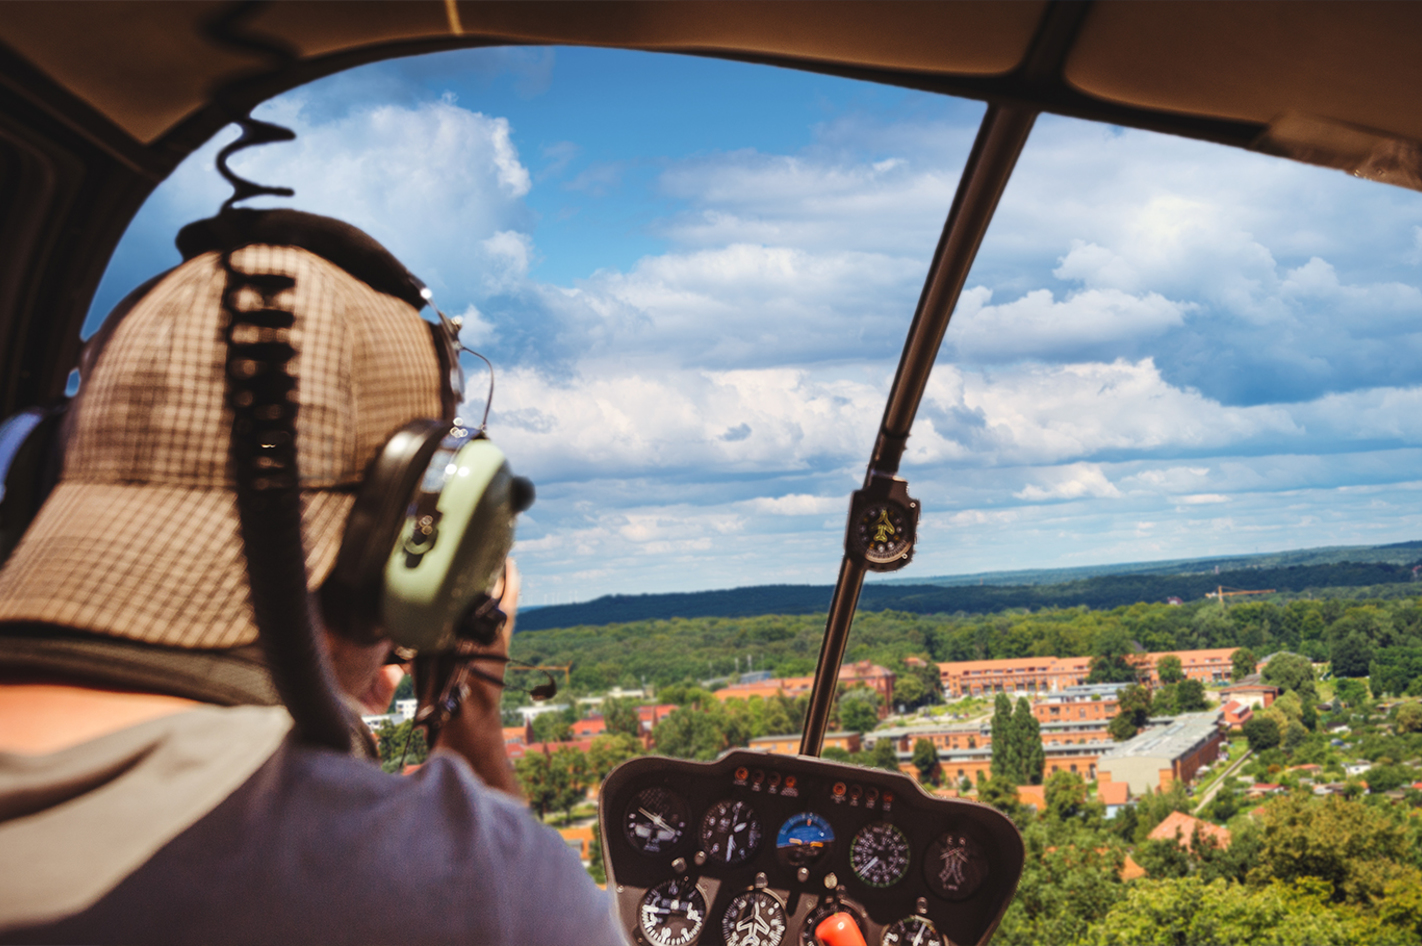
{"type": "Point", "coordinates": [695, 277]}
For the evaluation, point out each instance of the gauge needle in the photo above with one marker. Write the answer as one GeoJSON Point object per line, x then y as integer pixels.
{"type": "Point", "coordinates": [917, 940]}
{"type": "Point", "coordinates": [656, 819]}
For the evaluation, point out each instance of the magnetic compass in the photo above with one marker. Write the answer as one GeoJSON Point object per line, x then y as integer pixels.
{"type": "Point", "coordinates": [730, 832]}
{"type": "Point", "coordinates": [883, 523]}
{"type": "Point", "coordinates": [756, 918]}
{"type": "Point", "coordinates": [655, 820]}
{"type": "Point", "coordinates": [879, 854]}
{"type": "Point", "coordinates": [672, 913]}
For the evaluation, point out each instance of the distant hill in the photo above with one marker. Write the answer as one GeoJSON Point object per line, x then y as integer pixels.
{"type": "Point", "coordinates": [1397, 554]}
{"type": "Point", "coordinates": [1102, 591]}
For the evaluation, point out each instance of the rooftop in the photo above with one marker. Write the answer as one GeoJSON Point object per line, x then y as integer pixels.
{"type": "Point", "coordinates": [1171, 741]}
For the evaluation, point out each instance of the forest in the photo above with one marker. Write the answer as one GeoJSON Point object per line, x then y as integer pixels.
{"type": "Point", "coordinates": [1377, 637]}
{"type": "Point", "coordinates": [1333, 579]}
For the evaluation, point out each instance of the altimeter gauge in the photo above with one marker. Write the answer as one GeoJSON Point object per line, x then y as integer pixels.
{"type": "Point", "coordinates": [655, 820]}
{"type": "Point", "coordinates": [756, 918]}
{"type": "Point", "coordinates": [883, 524]}
{"type": "Point", "coordinates": [672, 913]}
{"type": "Point", "coordinates": [879, 854]}
{"type": "Point", "coordinates": [730, 832]}
{"type": "Point", "coordinates": [912, 931]}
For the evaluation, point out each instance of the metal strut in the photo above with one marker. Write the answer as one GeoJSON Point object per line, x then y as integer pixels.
{"type": "Point", "coordinates": [1000, 140]}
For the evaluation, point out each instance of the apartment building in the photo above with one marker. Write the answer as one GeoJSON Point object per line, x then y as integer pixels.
{"type": "Point", "coordinates": [1162, 755]}
{"type": "Point", "coordinates": [1036, 676]}
{"type": "Point", "coordinates": [1096, 702]}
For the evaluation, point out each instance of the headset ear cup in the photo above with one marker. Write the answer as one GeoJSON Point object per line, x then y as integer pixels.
{"type": "Point", "coordinates": [351, 596]}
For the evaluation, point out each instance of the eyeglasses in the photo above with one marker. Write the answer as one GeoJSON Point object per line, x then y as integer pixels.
{"type": "Point", "coordinates": [446, 334]}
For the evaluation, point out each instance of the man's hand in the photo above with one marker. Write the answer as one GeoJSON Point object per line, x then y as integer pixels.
{"type": "Point", "coordinates": [477, 732]}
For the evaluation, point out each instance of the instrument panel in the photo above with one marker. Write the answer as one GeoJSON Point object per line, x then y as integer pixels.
{"type": "Point", "coordinates": [756, 849]}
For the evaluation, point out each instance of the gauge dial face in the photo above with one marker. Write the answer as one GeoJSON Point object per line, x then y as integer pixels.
{"type": "Point", "coordinates": [754, 919]}
{"type": "Point", "coordinates": [954, 866]}
{"type": "Point", "coordinates": [879, 855]}
{"type": "Point", "coordinates": [882, 530]}
{"type": "Point", "coordinates": [818, 916]}
{"type": "Point", "coordinates": [672, 913]}
{"type": "Point", "coordinates": [912, 931]}
{"type": "Point", "coordinates": [655, 820]}
{"type": "Point", "coordinates": [730, 832]}
{"type": "Point", "coordinates": [804, 839]}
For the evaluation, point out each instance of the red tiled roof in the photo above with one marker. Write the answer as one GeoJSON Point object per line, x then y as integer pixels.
{"type": "Point", "coordinates": [1180, 827]}
{"type": "Point", "coordinates": [1113, 793]}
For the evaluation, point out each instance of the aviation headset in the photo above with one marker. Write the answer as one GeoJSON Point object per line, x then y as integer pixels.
{"type": "Point", "coordinates": [433, 519]}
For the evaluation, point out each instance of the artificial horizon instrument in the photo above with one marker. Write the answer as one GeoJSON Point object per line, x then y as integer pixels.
{"type": "Point", "coordinates": [100, 101]}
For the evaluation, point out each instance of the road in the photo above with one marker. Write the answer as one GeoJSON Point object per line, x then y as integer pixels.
{"type": "Point", "coordinates": [1228, 774]}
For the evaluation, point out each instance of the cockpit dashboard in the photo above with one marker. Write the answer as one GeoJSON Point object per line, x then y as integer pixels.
{"type": "Point", "coordinates": [758, 849]}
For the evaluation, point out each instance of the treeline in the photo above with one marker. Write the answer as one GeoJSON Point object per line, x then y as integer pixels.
{"type": "Point", "coordinates": [1106, 591]}
{"type": "Point", "coordinates": [1380, 636]}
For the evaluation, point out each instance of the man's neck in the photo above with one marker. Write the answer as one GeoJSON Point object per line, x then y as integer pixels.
{"type": "Point", "coordinates": [39, 718]}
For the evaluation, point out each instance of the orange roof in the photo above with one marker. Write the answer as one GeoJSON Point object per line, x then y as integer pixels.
{"type": "Point", "coordinates": [1180, 827]}
{"type": "Point", "coordinates": [1113, 793]}
{"type": "Point", "coordinates": [1032, 795]}
{"type": "Point", "coordinates": [1130, 870]}
{"type": "Point", "coordinates": [1192, 657]}
{"type": "Point", "coordinates": [515, 734]}
{"type": "Point", "coordinates": [1044, 664]}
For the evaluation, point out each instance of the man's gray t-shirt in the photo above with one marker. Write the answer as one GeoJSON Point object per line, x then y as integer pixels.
{"type": "Point", "coordinates": [312, 847]}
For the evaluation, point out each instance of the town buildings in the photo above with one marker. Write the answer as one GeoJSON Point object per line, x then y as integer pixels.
{"type": "Point", "coordinates": [1024, 676]}
{"type": "Point", "coordinates": [864, 673]}
{"type": "Point", "coordinates": [1161, 755]}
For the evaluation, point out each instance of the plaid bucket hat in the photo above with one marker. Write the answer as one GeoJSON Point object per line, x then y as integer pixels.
{"type": "Point", "coordinates": [139, 542]}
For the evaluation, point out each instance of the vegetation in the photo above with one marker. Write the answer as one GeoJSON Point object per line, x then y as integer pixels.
{"type": "Point", "coordinates": [665, 653]}
{"type": "Point", "coordinates": [1017, 754]}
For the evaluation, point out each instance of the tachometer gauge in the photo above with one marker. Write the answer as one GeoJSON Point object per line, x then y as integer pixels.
{"type": "Point", "coordinates": [655, 820]}
{"type": "Point", "coordinates": [672, 913]}
{"type": "Point", "coordinates": [912, 931]}
{"type": "Point", "coordinates": [804, 839]}
{"type": "Point", "coordinates": [954, 866]}
{"type": "Point", "coordinates": [879, 855]}
{"type": "Point", "coordinates": [730, 832]}
{"type": "Point", "coordinates": [754, 919]}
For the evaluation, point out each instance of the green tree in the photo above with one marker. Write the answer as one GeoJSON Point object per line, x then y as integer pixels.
{"type": "Point", "coordinates": [1113, 658]}
{"type": "Point", "coordinates": [551, 727]}
{"type": "Point", "coordinates": [1244, 663]}
{"type": "Point", "coordinates": [1408, 718]}
{"type": "Point", "coordinates": [1340, 842]}
{"type": "Point", "coordinates": [1006, 760]}
{"type": "Point", "coordinates": [1066, 796]}
{"type": "Point", "coordinates": [859, 709]}
{"type": "Point", "coordinates": [1030, 752]}
{"type": "Point", "coordinates": [925, 759]}
{"type": "Point", "coordinates": [621, 716]}
{"type": "Point", "coordinates": [1262, 733]}
{"type": "Point", "coordinates": [572, 768]}
{"type": "Point", "coordinates": [544, 785]}
{"type": "Point", "coordinates": [1289, 672]}
{"type": "Point", "coordinates": [1169, 669]}
{"type": "Point", "coordinates": [1190, 697]}
{"type": "Point", "coordinates": [1351, 656]}
{"type": "Point", "coordinates": [884, 756]}
{"type": "Point", "coordinates": [607, 752]}
{"type": "Point", "coordinates": [909, 691]}
{"type": "Point", "coordinates": [393, 742]}
{"type": "Point", "coordinates": [1121, 728]}
{"type": "Point", "coordinates": [690, 733]}
{"type": "Point", "coordinates": [1354, 693]}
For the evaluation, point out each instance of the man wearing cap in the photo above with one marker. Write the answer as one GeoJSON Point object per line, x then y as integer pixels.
{"type": "Point", "coordinates": [150, 785]}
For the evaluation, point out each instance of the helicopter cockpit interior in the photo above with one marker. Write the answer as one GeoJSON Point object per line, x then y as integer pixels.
{"type": "Point", "coordinates": [100, 102]}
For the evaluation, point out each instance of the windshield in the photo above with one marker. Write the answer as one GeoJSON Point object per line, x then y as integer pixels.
{"type": "Point", "coordinates": [1174, 366]}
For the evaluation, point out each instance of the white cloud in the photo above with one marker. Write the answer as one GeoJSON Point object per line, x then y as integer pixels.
{"type": "Point", "coordinates": [1069, 482]}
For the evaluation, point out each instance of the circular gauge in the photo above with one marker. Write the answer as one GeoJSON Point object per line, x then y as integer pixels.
{"type": "Point", "coordinates": [730, 832]}
{"type": "Point", "coordinates": [655, 820]}
{"type": "Point", "coordinates": [954, 866]}
{"type": "Point", "coordinates": [818, 915]}
{"type": "Point", "coordinates": [881, 530]}
{"type": "Point", "coordinates": [804, 839]}
{"type": "Point", "coordinates": [912, 931]}
{"type": "Point", "coordinates": [754, 919]}
{"type": "Point", "coordinates": [672, 913]}
{"type": "Point", "coordinates": [879, 855]}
